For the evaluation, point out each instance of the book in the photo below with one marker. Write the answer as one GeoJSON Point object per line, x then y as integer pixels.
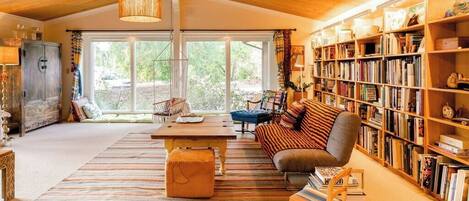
{"type": "Point", "coordinates": [405, 71]}
{"type": "Point", "coordinates": [458, 141]}
{"type": "Point", "coordinates": [370, 71]}
{"type": "Point", "coordinates": [462, 179]}
{"type": "Point", "coordinates": [325, 174]}
{"type": "Point", "coordinates": [463, 153]}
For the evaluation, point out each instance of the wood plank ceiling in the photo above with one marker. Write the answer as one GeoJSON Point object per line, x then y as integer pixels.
{"type": "Point", "coordinates": [314, 9]}
{"type": "Point", "coordinates": [50, 9]}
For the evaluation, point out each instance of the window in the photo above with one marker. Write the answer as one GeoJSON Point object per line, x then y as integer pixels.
{"type": "Point", "coordinates": [123, 73]}
{"type": "Point", "coordinates": [223, 72]}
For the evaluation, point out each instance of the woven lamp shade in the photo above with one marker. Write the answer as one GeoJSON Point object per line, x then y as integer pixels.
{"type": "Point", "coordinates": [9, 56]}
{"type": "Point", "coordinates": [140, 10]}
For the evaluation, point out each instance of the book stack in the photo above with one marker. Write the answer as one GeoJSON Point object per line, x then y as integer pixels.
{"type": "Point", "coordinates": [370, 71]}
{"type": "Point", "coordinates": [403, 43]}
{"type": "Point", "coordinates": [317, 187]}
{"type": "Point", "coordinates": [329, 52]}
{"type": "Point", "coordinates": [446, 179]}
{"type": "Point", "coordinates": [317, 69]}
{"type": "Point", "coordinates": [329, 100]}
{"type": "Point", "coordinates": [346, 89]}
{"type": "Point", "coordinates": [402, 155]}
{"type": "Point", "coordinates": [346, 51]}
{"type": "Point", "coordinates": [347, 70]}
{"type": "Point", "coordinates": [456, 144]}
{"type": "Point", "coordinates": [346, 105]}
{"type": "Point", "coordinates": [329, 70]}
{"type": "Point", "coordinates": [405, 126]}
{"type": "Point", "coordinates": [371, 114]}
{"type": "Point", "coordinates": [403, 99]}
{"type": "Point", "coordinates": [368, 139]}
{"type": "Point", "coordinates": [406, 72]}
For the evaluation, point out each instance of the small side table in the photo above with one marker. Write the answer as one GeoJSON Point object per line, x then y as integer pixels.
{"type": "Point", "coordinates": [7, 166]}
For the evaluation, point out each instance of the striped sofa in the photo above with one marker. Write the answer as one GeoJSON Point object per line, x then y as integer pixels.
{"type": "Point", "coordinates": [301, 151]}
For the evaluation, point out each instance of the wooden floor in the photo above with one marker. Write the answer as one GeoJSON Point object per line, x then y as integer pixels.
{"type": "Point", "coordinates": [133, 169]}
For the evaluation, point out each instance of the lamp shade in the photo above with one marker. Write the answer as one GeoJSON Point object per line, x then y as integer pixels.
{"type": "Point", "coordinates": [9, 55]}
{"type": "Point", "coordinates": [140, 10]}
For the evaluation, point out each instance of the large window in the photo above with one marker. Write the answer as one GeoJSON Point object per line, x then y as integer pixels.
{"type": "Point", "coordinates": [124, 73]}
{"type": "Point", "coordinates": [223, 72]}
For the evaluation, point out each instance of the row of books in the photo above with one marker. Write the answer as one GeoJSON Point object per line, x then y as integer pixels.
{"type": "Point", "coordinates": [329, 52]}
{"type": "Point", "coordinates": [346, 51]}
{"type": "Point", "coordinates": [368, 138]}
{"type": "Point", "coordinates": [329, 100]}
{"type": "Point", "coordinates": [328, 70]}
{"type": "Point", "coordinates": [346, 89]}
{"type": "Point", "coordinates": [405, 126]}
{"type": "Point", "coordinates": [403, 99]}
{"type": "Point", "coordinates": [406, 72]}
{"type": "Point", "coordinates": [317, 54]}
{"type": "Point", "coordinates": [346, 105]}
{"type": "Point", "coordinates": [371, 114]}
{"type": "Point", "coordinates": [446, 179]}
{"type": "Point", "coordinates": [403, 43]}
{"type": "Point", "coordinates": [370, 71]}
{"type": "Point", "coordinates": [402, 155]}
{"type": "Point", "coordinates": [371, 93]}
{"type": "Point", "coordinates": [347, 70]}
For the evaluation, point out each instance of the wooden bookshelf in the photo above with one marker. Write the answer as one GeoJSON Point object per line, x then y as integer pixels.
{"type": "Point", "coordinates": [436, 66]}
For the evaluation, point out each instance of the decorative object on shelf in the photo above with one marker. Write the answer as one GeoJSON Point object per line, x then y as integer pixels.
{"type": "Point", "coordinates": [395, 19]}
{"type": "Point", "coordinates": [462, 116]}
{"type": "Point", "coordinates": [416, 14]}
{"type": "Point", "coordinates": [458, 81]}
{"type": "Point", "coordinates": [452, 43]}
{"type": "Point", "coordinates": [36, 34]}
{"type": "Point", "coordinates": [461, 7]}
{"type": "Point", "coordinates": [345, 35]}
{"type": "Point", "coordinates": [300, 88]}
{"type": "Point", "coordinates": [140, 10]}
{"type": "Point", "coordinates": [449, 13]}
{"type": "Point", "coordinates": [448, 111]}
{"type": "Point", "coordinates": [9, 56]}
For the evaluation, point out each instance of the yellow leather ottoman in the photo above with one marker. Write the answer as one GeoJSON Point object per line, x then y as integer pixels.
{"type": "Point", "coordinates": [190, 173]}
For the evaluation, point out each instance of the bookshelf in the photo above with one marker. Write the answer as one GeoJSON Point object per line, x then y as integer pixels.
{"type": "Point", "coordinates": [368, 80]}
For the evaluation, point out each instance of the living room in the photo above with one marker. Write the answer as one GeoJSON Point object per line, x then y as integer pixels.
{"type": "Point", "coordinates": [234, 99]}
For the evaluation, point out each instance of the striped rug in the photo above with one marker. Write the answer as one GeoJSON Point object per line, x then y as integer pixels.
{"type": "Point", "coordinates": [133, 169]}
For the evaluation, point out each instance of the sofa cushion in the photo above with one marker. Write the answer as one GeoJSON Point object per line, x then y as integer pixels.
{"type": "Point", "coordinates": [78, 113]}
{"type": "Point", "coordinates": [92, 111]}
{"type": "Point", "coordinates": [292, 118]}
{"type": "Point", "coordinates": [303, 160]}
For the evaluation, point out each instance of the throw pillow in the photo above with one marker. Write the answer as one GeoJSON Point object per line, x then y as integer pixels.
{"type": "Point", "coordinates": [92, 111]}
{"type": "Point", "coordinates": [292, 117]}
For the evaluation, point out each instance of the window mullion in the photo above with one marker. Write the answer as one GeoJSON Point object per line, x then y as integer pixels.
{"type": "Point", "coordinates": [133, 76]}
{"type": "Point", "coordinates": [228, 100]}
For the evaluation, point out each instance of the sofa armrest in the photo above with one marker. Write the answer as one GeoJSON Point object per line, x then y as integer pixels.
{"type": "Point", "coordinates": [343, 136]}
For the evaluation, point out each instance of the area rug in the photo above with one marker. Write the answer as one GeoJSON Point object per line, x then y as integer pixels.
{"type": "Point", "coordinates": [133, 169]}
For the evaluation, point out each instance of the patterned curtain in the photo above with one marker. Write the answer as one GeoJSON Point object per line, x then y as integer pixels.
{"type": "Point", "coordinates": [75, 69]}
{"type": "Point", "coordinates": [282, 41]}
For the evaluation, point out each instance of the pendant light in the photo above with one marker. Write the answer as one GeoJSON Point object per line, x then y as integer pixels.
{"type": "Point", "coordinates": [140, 10]}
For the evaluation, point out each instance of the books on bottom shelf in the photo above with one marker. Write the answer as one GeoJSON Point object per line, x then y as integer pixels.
{"type": "Point", "coordinates": [446, 179]}
{"type": "Point", "coordinates": [402, 155]}
{"type": "Point", "coordinates": [368, 139]}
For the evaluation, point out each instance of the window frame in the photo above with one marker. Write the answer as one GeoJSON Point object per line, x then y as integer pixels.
{"type": "Point", "coordinates": [269, 66]}
{"type": "Point", "coordinates": [131, 38]}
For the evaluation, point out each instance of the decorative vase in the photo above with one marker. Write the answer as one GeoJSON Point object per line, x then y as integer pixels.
{"type": "Point", "coordinates": [298, 95]}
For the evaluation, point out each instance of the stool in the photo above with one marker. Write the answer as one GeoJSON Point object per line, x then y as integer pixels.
{"type": "Point", "coordinates": [190, 173]}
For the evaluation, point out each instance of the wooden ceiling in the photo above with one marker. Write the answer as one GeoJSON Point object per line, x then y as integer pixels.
{"type": "Point", "coordinates": [314, 9]}
{"type": "Point", "coordinates": [50, 9]}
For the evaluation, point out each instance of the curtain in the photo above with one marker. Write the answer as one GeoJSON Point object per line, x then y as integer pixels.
{"type": "Point", "coordinates": [75, 69]}
{"type": "Point", "coordinates": [282, 41]}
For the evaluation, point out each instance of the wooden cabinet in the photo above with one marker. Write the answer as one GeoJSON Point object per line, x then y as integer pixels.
{"type": "Point", "coordinates": [38, 86]}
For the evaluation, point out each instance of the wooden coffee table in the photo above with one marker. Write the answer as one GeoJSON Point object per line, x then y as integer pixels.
{"type": "Point", "coordinates": [213, 132]}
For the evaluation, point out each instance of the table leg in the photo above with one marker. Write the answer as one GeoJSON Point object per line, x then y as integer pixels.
{"type": "Point", "coordinates": [223, 156]}
{"type": "Point", "coordinates": [169, 146]}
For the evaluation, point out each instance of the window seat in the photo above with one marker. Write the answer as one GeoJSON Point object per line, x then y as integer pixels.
{"type": "Point", "coordinates": [121, 118]}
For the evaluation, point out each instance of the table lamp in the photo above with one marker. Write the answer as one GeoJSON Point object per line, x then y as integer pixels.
{"type": "Point", "coordinates": [9, 56]}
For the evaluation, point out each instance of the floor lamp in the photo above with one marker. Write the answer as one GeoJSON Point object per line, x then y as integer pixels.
{"type": "Point", "coordinates": [9, 56]}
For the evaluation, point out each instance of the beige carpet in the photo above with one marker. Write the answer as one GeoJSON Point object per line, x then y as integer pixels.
{"type": "Point", "coordinates": [133, 169]}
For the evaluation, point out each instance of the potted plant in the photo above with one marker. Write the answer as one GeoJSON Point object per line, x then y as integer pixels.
{"type": "Point", "coordinates": [300, 89]}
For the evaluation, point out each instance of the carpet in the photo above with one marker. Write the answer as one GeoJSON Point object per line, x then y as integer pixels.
{"type": "Point", "coordinates": [133, 169]}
